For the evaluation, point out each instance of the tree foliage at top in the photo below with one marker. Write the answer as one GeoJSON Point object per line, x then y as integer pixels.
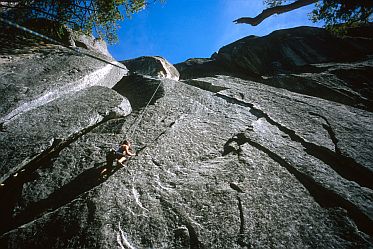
{"type": "Point", "coordinates": [341, 14]}
{"type": "Point", "coordinates": [336, 14]}
{"type": "Point", "coordinates": [98, 16]}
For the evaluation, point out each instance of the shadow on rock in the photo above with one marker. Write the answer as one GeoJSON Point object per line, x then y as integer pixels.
{"type": "Point", "coordinates": [11, 189]}
{"type": "Point", "coordinates": [139, 90]}
{"type": "Point", "coordinates": [9, 196]}
{"type": "Point", "coordinates": [81, 184]}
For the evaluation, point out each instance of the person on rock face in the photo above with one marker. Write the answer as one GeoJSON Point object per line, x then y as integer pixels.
{"type": "Point", "coordinates": [123, 152]}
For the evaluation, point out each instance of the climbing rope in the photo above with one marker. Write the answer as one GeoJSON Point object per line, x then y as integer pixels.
{"type": "Point", "coordinates": [75, 49]}
{"type": "Point", "coordinates": [137, 121]}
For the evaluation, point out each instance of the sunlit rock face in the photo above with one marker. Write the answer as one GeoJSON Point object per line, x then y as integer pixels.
{"type": "Point", "coordinates": [305, 60]}
{"type": "Point", "coordinates": [290, 50]}
{"type": "Point", "coordinates": [155, 66]}
{"type": "Point", "coordinates": [65, 35]}
{"type": "Point", "coordinates": [225, 158]}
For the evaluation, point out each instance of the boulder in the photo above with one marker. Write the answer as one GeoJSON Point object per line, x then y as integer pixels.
{"type": "Point", "coordinates": [199, 67]}
{"type": "Point", "coordinates": [152, 66]}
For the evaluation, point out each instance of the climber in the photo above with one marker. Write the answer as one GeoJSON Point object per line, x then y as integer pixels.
{"type": "Point", "coordinates": [123, 152]}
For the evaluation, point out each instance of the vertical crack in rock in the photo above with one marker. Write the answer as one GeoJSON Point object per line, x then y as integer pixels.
{"type": "Point", "coordinates": [195, 243]}
{"type": "Point", "coordinates": [241, 235]}
{"type": "Point", "coordinates": [345, 166]}
{"type": "Point", "coordinates": [323, 196]}
{"type": "Point", "coordinates": [12, 188]}
{"type": "Point", "coordinates": [242, 221]}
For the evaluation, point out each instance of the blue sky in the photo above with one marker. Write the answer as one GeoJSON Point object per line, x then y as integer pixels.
{"type": "Point", "coordinates": [181, 29]}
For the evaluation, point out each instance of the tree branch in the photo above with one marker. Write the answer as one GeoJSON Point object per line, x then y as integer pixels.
{"type": "Point", "coordinates": [53, 16]}
{"type": "Point", "coordinates": [274, 10]}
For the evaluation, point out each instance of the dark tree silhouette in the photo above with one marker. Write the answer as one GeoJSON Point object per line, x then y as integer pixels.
{"type": "Point", "coordinates": [99, 16]}
{"type": "Point", "coordinates": [337, 14]}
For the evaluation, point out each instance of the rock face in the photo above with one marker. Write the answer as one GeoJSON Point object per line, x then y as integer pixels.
{"type": "Point", "coordinates": [286, 50]}
{"type": "Point", "coordinates": [198, 67]}
{"type": "Point", "coordinates": [152, 66]}
{"type": "Point", "coordinates": [50, 96]}
{"type": "Point", "coordinates": [66, 35]}
{"type": "Point", "coordinates": [304, 60]}
{"type": "Point", "coordinates": [222, 161]}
